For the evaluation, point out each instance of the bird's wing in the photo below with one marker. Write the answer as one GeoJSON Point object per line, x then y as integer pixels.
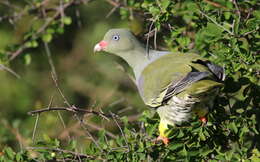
{"type": "Point", "coordinates": [168, 74]}
{"type": "Point", "coordinates": [190, 78]}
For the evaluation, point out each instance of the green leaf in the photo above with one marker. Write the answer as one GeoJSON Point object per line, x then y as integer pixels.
{"type": "Point", "coordinates": [180, 134]}
{"type": "Point", "coordinates": [213, 30]}
{"type": "Point", "coordinates": [67, 20]}
{"type": "Point", "coordinates": [202, 136]}
{"type": "Point", "coordinates": [183, 41]}
{"type": "Point", "coordinates": [47, 37]}
{"type": "Point", "coordinates": [165, 4]}
{"type": "Point", "coordinates": [175, 146]}
{"type": "Point", "coordinates": [227, 15]}
{"type": "Point", "coordinates": [31, 44]}
{"type": "Point", "coordinates": [27, 59]}
{"type": "Point", "coordinates": [233, 127]}
{"type": "Point", "coordinates": [9, 152]}
{"type": "Point", "coordinates": [183, 152]}
{"type": "Point", "coordinates": [19, 157]}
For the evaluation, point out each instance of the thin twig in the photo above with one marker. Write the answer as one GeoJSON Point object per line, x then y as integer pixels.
{"type": "Point", "coordinates": [111, 11]}
{"type": "Point", "coordinates": [2, 67]}
{"type": "Point", "coordinates": [88, 133]}
{"type": "Point", "coordinates": [113, 3]}
{"type": "Point", "coordinates": [35, 127]}
{"type": "Point", "coordinates": [48, 53]}
{"type": "Point", "coordinates": [76, 154]}
{"type": "Point", "coordinates": [155, 38]}
{"type": "Point", "coordinates": [216, 23]}
{"type": "Point", "coordinates": [79, 23]}
{"type": "Point", "coordinates": [96, 127]}
{"type": "Point", "coordinates": [238, 12]}
{"type": "Point", "coordinates": [70, 109]}
{"type": "Point", "coordinates": [249, 32]}
{"type": "Point", "coordinates": [147, 40]}
{"type": "Point", "coordinates": [215, 4]}
{"type": "Point", "coordinates": [123, 134]}
{"type": "Point", "coordinates": [55, 80]}
{"type": "Point", "coordinates": [63, 124]}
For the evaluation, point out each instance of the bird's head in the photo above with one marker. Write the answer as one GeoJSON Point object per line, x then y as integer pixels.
{"type": "Point", "coordinates": [116, 41]}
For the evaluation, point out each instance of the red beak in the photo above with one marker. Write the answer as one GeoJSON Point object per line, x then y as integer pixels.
{"type": "Point", "coordinates": [100, 46]}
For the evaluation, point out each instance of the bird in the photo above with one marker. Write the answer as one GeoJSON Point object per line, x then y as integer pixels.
{"type": "Point", "coordinates": [178, 85]}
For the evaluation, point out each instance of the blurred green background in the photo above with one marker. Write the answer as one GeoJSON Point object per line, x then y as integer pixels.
{"type": "Point", "coordinates": [88, 80]}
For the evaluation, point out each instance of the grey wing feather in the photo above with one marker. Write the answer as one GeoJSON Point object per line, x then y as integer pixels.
{"type": "Point", "coordinates": [179, 86]}
{"type": "Point", "coordinates": [218, 71]}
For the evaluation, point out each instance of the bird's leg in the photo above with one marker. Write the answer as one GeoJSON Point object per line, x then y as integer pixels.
{"type": "Point", "coordinates": [202, 113]}
{"type": "Point", "coordinates": [165, 140]}
{"type": "Point", "coordinates": [163, 136]}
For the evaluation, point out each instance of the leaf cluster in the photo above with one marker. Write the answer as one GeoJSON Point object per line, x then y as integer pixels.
{"type": "Point", "coordinates": [227, 33]}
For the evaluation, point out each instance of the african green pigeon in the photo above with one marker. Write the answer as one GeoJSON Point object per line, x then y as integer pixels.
{"type": "Point", "coordinates": [176, 84]}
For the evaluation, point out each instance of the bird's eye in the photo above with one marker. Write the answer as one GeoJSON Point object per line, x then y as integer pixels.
{"type": "Point", "coordinates": [116, 37]}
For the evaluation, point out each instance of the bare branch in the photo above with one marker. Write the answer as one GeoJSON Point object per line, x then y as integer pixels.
{"type": "Point", "coordinates": [35, 127]}
{"type": "Point", "coordinates": [113, 3]}
{"type": "Point", "coordinates": [82, 124]}
{"type": "Point", "coordinates": [72, 109]}
{"type": "Point", "coordinates": [48, 53]}
{"type": "Point", "coordinates": [2, 67]}
{"type": "Point", "coordinates": [215, 4]}
{"type": "Point", "coordinates": [64, 125]}
{"type": "Point", "coordinates": [111, 11]}
{"type": "Point", "coordinates": [96, 127]}
{"type": "Point", "coordinates": [76, 154]}
{"type": "Point", "coordinates": [155, 38]}
{"type": "Point", "coordinates": [216, 23]}
{"type": "Point", "coordinates": [147, 40]}
{"type": "Point", "coordinates": [252, 31]}
{"type": "Point", "coordinates": [123, 134]}
{"type": "Point", "coordinates": [58, 88]}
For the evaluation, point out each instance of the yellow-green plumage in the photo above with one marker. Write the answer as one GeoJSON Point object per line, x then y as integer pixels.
{"type": "Point", "coordinates": [177, 84]}
{"type": "Point", "coordinates": [158, 75]}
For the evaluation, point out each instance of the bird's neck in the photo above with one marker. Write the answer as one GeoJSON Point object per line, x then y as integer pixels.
{"type": "Point", "coordinates": [138, 59]}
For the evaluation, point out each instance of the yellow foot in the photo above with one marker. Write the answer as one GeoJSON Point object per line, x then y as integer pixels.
{"type": "Point", "coordinates": [203, 120]}
{"type": "Point", "coordinates": [165, 140]}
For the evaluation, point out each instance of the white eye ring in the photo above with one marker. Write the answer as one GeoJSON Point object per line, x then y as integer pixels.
{"type": "Point", "coordinates": [116, 37]}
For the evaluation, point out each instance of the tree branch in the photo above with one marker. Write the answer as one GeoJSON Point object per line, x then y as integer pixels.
{"type": "Point", "coordinates": [72, 109]}
{"type": "Point", "coordinates": [2, 67]}
{"type": "Point", "coordinates": [76, 154]}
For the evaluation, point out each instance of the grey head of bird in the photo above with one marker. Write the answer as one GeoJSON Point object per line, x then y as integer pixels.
{"type": "Point", "coordinates": [118, 41]}
{"type": "Point", "coordinates": [124, 44]}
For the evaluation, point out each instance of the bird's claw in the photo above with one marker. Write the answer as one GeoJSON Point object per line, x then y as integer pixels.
{"type": "Point", "coordinates": [203, 120]}
{"type": "Point", "coordinates": [165, 140]}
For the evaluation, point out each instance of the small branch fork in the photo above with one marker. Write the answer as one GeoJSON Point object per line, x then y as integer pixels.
{"type": "Point", "coordinates": [72, 109]}
{"type": "Point", "coordinates": [2, 67]}
{"type": "Point", "coordinates": [77, 113]}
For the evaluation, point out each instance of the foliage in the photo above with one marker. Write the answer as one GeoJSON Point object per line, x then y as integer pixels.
{"type": "Point", "coordinates": [226, 32]}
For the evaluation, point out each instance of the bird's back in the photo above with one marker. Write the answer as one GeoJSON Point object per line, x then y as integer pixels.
{"type": "Point", "coordinates": [169, 70]}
